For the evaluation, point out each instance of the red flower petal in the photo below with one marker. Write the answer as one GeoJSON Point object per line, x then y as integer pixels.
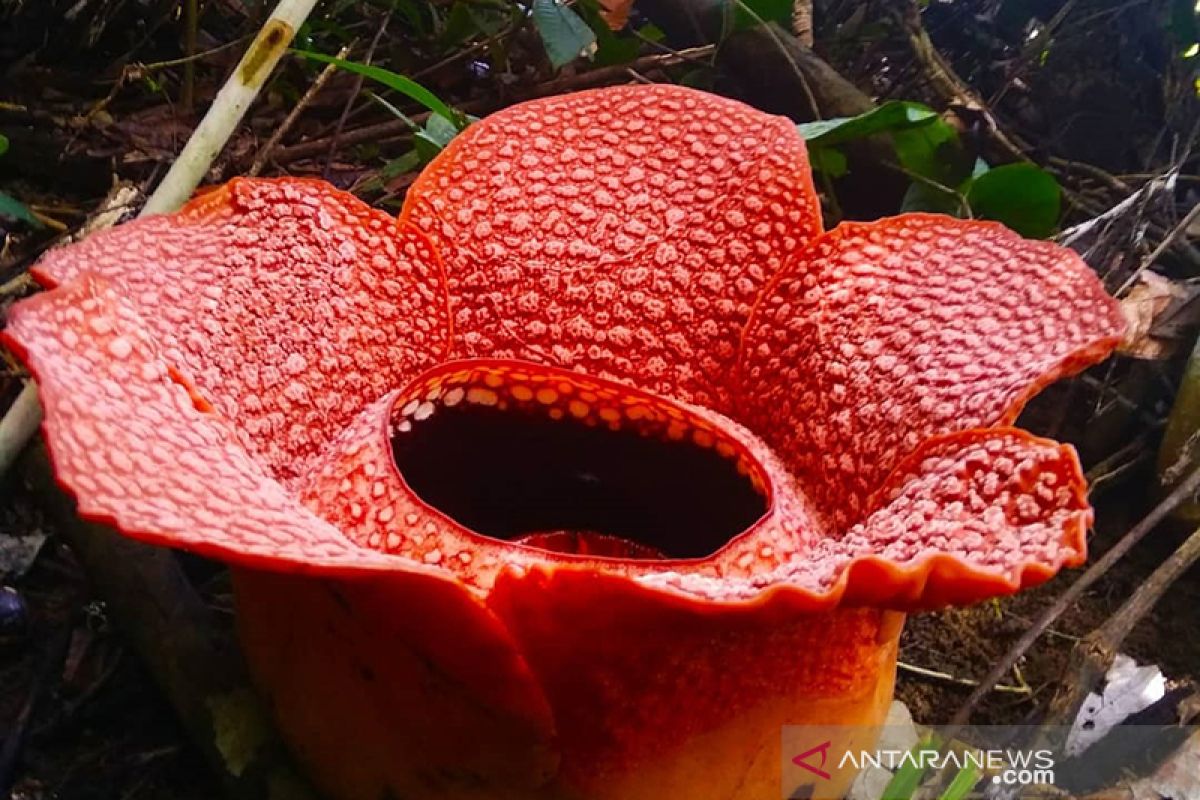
{"type": "Point", "coordinates": [288, 303]}
{"type": "Point", "coordinates": [968, 516]}
{"type": "Point", "coordinates": [882, 335]}
{"type": "Point", "coordinates": [129, 441]}
{"type": "Point", "coordinates": [624, 232]}
{"type": "Point", "coordinates": [282, 331]}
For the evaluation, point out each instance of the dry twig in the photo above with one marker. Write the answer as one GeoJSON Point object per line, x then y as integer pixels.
{"type": "Point", "coordinates": [1092, 656]}
{"type": "Point", "coordinates": [358, 85]}
{"type": "Point", "coordinates": [264, 153]}
{"type": "Point", "coordinates": [597, 77]}
{"type": "Point", "coordinates": [934, 674]}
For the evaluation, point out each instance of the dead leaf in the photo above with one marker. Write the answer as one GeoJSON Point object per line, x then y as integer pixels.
{"type": "Point", "coordinates": [615, 13]}
{"type": "Point", "coordinates": [1159, 312]}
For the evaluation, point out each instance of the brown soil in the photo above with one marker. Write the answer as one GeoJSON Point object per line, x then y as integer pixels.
{"type": "Point", "coordinates": [96, 727]}
{"type": "Point", "coordinates": [967, 642]}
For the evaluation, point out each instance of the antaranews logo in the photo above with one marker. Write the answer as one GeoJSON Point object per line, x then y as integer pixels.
{"type": "Point", "coordinates": [1033, 763]}
{"type": "Point", "coordinates": [821, 751]}
{"type": "Point", "coordinates": [822, 762]}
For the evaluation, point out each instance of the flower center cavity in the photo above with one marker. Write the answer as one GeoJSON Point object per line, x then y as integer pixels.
{"type": "Point", "coordinates": [570, 464]}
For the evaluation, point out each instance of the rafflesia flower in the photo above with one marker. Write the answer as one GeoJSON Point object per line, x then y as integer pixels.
{"type": "Point", "coordinates": [590, 472]}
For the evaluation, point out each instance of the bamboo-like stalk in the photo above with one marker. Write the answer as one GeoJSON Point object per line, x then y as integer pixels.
{"type": "Point", "coordinates": [22, 420]}
{"type": "Point", "coordinates": [1180, 439]}
{"type": "Point", "coordinates": [19, 425]}
{"type": "Point", "coordinates": [229, 106]}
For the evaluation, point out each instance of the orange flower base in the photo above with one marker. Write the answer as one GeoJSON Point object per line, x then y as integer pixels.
{"type": "Point", "coordinates": [386, 691]}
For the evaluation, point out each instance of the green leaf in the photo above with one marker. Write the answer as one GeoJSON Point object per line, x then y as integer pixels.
{"type": "Point", "coordinates": [904, 783]}
{"type": "Point", "coordinates": [962, 784]}
{"type": "Point", "coordinates": [436, 134]}
{"type": "Point", "coordinates": [397, 113]}
{"type": "Point", "coordinates": [829, 160]}
{"type": "Point", "coordinates": [3, 144]}
{"type": "Point", "coordinates": [565, 35]}
{"type": "Point", "coordinates": [1023, 196]}
{"type": "Point", "coordinates": [652, 33]}
{"type": "Point", "coordinates": [926, 197]}
{"type": "Point", "coordinates": [408, 162]}
{"type": "Point", "coordinates": [14, 209]}
{"type": "Point", "coordinates": [611, 47]}
{"type": "Point", "coordinates": [405, 86]}
{"type": "Point", "coordinates": [748, 13]}
{"type": "Point", "coordinates": [934, 151]}
{"type": "Point", "coordinates": [892, 116]}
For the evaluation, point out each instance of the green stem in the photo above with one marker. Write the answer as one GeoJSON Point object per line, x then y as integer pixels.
{"type": "Point", "coordinates": [1180, 445]}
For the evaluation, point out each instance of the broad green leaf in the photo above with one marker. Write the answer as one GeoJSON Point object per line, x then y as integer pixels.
{"type": "Point", "coordinates": [3, 144]}
{"type": "Point", "coordinates": [405, 86]}
{"type": "Point", "coordinates": [925, 197]}
{"type": "Point", "coordinates": [436, 134]}
{"type": "Point", "coordinates": [748, 13]}
{"type": "Point", "coordinates": [892, 116]}
{"type": "Point", "coordinates": [13, 208]}
{"type": "Point", "coordinates": [611, 47]}
{"type": "Point", "coordinates": [1023, 196]}
{"type": "Point", "coordinates": [933, 152]}
{"type": "Point", "coordinates": [829, 160]}
{"type": "Point", "coordinates": [565, 35]}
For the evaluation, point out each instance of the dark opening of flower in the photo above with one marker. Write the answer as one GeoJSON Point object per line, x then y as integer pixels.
{"type": "Point", "coordinates": [592, 470]}
{"type": "Point", "coordinates": [551, 464]}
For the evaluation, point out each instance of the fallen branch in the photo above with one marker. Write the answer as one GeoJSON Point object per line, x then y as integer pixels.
{"type": "Point", "coordinates": [1092, 657]}
{"type": "Point", "coordinates": [1174, 233]}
